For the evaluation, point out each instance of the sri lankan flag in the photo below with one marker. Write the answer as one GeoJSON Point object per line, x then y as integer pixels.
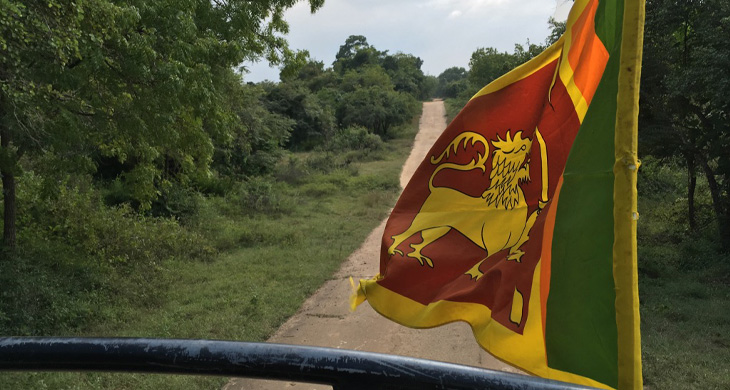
{"type": "Point", "coordinates": [522, 219]}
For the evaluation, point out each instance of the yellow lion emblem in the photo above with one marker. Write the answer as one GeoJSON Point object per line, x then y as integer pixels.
{"type": "Point", "coordinates": [495, 221]}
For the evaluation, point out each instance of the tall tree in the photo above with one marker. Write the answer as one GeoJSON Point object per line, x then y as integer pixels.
{"type": "Point", "coordinates": [684, 95]}
{"type": "Point", "coordinates": [452, 82]}
{"type": "Point", "coordinates": [405, 72]}
{"type": "Point", "coordinates": [136, 81]}
{"type": "Point", "coordinates": [355, 53]}
{"type": "Point", "coordinates": [38, 40]}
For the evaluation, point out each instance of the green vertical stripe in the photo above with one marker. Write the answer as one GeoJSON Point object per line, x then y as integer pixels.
{"type": "Point", "coordinates": [581, 318]}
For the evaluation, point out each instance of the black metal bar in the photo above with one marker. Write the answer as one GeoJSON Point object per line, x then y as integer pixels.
{"type": "Point", "coordinates": [336, 367]}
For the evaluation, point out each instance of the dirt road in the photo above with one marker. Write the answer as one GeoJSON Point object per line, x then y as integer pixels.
{"type": "Point", "coordinates": [325, 319]}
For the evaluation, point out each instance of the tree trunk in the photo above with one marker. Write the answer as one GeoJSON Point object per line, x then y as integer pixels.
{"type": "Point", "coordinates": [723, 221]}
{"type": "Point", "coordinates": [691, 185]}
{"type": "Point", "coordinates": [9, 206]}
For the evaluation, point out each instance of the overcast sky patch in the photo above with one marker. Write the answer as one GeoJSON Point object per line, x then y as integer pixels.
{"type": "Point", "coordinates": [443, 33]}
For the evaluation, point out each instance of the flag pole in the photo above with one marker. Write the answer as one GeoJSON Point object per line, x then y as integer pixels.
{"type": "Point", "coordinates": [625, 198]}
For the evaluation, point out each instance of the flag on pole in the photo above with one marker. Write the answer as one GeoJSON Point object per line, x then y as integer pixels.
{"type": "Point", "coordinates": [522, 219]}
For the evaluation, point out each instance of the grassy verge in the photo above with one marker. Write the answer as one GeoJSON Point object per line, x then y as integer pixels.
{"type": "Point", "coordinates": [281, 238]}
{"type": "Point", "coordinates": [453, 107]}
{"type": "Point", "coordinates": [684, 285]}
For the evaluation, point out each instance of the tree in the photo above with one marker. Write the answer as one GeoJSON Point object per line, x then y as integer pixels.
{"type": "Point", "coordinates": [429, 87]}
{"type": "Point", "coordinates": [257, 138]}
{"type": "Point", "coordinates": [488, 64]}
{"type": "Point", "coordinates": [376, 108]}
{"type": "Point", "coordinates": [452, 82]}
{"type": "Point", "coordinates": [684, 107]}
{"type": "Point", "coordinates": [313, 119]}
{"type": "Point", "coordinates": [139, 82]}
{"type": "Point", "coordinates": [557, 29]}
{"type": "Point", "coordinates": [355, 53]}
{"type": "Point", "coordinates": [525, 53]}
{"type": "Point", "coordinates": [405, 72]}
{"type": "Point", "coordinates": [38, 41]}
{"type": "Point", "coordinates": [366, 76]}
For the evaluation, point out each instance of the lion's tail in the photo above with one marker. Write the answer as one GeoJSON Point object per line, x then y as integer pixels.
{"type": "Point", "coordinates": [480, 162]}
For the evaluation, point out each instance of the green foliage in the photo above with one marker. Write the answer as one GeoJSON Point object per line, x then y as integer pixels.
{"type": "Point", "coordinates": [141, 155]}
{"type": "Point", "coordinates": [259, 195]}
{"type": "Point", "coordinates": [683, 112]}
{"type": "Point", "coordinates": [47, 290]}
{"type": "Point", "coordinates": [683, 283]}
{"type": "Point", "coordinates": [314, 119]}
{"type": "Point", "coordinates": [355, 53]}
{"type": "Point", "coordinates": [354, 138]}
{"type": "Point", "coordinates": [454, 106]}
{"type": "Point", "coordinates": [365, 87]}
{"type": "Point", "coordinates": [291, 171]}
{"type": "Point", "coordinates": [275, 257]}
{"type": "Point", "coordinates": [452, 82]}
{"type": "Point", "coordinates": [76, 215]}
{"type": "Point", "coordinates": [429, 87]}
{"type": "Point", "coordinates": [84, 78]}
{"type": "Point", "coordinates": [76, 255]}
{"type": "Point", "coordinates": [488, 64]}
{"type": "Point", "coordinates": [557, 29]}
{"type": "Point", "coordinates": [377, 109]}
{"type": "Point", "coordinates": [365, 77]}
{"type": "Point", "coordinates": [405, 72]}
{"type": "Point", "coordinates": [254, 144]}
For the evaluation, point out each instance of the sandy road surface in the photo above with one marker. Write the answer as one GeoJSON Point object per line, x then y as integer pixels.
{"type": "Point", "coordinates": [325, 319]}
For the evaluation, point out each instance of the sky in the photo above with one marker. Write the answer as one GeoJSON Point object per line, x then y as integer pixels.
{"type": "Point", "coordinates": [443, 33]}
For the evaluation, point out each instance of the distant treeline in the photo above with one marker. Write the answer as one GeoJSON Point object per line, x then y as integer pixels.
{"type": "Point", "coordinates": [487, 64]}
{"type": "Point", "coordinates": [364, 89]}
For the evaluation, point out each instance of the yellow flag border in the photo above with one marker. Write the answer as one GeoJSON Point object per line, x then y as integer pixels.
{"type": "Point", "coordinates": [525, 352]}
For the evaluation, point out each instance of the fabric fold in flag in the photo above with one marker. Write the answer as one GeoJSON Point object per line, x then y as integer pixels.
{"type": "Point", "coordinates": [521, 220]}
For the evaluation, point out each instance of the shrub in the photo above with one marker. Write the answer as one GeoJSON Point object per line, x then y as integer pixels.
{"type": "Point", "coordinates": [328, 162]}
{"type": "Point", "coordinates": [75, 254]}
{"type": "Point", "coordinates": [354, 138]}
{"type": "Point", "coordinates": [261, 195]}
{"type": "Point", "coordinates": [292, 171]}
{"type": "Point", "coordinates": [377, 109]}
{"type": "Point", "coordinates": [77, 215]}
{"type": "Point", "coordinates": [659, 178]}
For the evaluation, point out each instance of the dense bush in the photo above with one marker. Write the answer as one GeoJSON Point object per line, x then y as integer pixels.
{"type": "Point", "coordinates": [77, 216]}
{"type": "Point", "coordinates": [377, 109]}
{"type": "Point", "coordinates": [76, 254]}
{"type": "Point", "coordinates": [354, 138]}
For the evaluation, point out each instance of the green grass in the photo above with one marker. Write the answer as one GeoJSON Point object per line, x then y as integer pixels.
{"type": "Point", "coordinates": [684, 286]}
{"type": "Point", "coordinates": [280, 240]}
{"type": "Point", "coordinates": [453, 107]}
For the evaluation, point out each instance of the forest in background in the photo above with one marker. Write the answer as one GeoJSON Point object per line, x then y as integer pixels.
{"type": "Point", "coordinates": [109, 191]}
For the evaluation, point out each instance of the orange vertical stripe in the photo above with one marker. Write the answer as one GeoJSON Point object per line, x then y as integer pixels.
{"type": "Point", "coordinates": [587, 50]}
